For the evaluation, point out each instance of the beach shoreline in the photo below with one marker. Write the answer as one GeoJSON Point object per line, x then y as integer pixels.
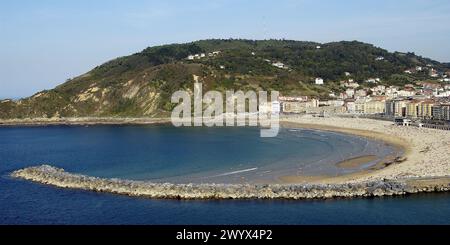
{"type": "Point", "coordinates": [401, 145]}
{"type": "Point", "coordinates": [425, 151]}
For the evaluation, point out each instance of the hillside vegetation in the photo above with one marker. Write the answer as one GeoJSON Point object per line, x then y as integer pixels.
{"type": "Point", "coordinates": [141, 84]}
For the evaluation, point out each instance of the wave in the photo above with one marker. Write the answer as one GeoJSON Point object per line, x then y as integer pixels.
{"type": "Point", "coordinates": [235, 172]}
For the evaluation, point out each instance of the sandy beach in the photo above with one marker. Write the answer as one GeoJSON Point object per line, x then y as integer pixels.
{"type": "Point", "coordinates": [426, 150]}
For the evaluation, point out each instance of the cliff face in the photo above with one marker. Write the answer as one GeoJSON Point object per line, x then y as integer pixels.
{"type": "Point", "coordinates": [141, 84]}
{"type": "Point", "coordinates": [144, 93]}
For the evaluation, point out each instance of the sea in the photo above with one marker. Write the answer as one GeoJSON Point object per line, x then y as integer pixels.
{"type": "Point", "coordinates": [163, 153]}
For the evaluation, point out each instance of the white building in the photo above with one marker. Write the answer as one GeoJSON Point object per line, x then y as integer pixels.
{"type": "Point", "coordinates": [378, 90]}
{"type": "Point", "coordinates": [319, 81]}
{"type": "Point", "coordinates": [441, 94]}
{"type": "Point", "coordinates": [351, 85]}
{"type": "Point", "coordinates": [433, 73]}
{"type": "Point", "coordinates": [361, 93]}
{"type": "Point", "coordinates": [273, 107]}
{"type": "Point", "coordinates": [371, 80]}
{"type": "Point", "coordinates": [350, 93]}
{"type": "Point", "coordinates": [391, 92]}
{"type": "Point", "coordinates": [279, 65]}
{"type": "Point", "coordinates": [334, 103]}
{"type": "Point", "coordinates": [293, 99]}
{"type": "Point", "coordinates": [276, 107]}
{"type": "Point", "coordinates": [350, 105]}
{"type": "Point", "coordinates": [299, 106]}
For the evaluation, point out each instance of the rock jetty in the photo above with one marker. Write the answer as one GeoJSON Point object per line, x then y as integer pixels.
{"type": "Point", "coordinates": [57, 177]}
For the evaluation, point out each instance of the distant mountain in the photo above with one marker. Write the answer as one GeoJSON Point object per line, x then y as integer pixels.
{"type": "Point", "coordinates": [141, 84]}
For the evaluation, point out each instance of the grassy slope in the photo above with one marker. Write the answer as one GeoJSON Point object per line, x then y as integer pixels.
{"type": "Point", "coordinates": [141, 84]}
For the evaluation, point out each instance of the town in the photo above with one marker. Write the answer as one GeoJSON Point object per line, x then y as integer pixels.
{"type": "Point", "coordinates": [422, 102]}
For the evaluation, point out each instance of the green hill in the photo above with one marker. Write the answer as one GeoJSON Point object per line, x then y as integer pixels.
{"type": "Point", "coordinates": [141, 84]}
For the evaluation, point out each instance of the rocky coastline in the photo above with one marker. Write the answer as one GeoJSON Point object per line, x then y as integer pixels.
{"type": "Point", "coordinates": [82, 121]}
{"type": "Point", "coordinates": [57, 177]}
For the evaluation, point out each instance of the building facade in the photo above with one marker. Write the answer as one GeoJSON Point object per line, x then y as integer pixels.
{"type": "Point", "coordinates": [441, 112]}
{"type": "Point", "coordinates": [396, 108]}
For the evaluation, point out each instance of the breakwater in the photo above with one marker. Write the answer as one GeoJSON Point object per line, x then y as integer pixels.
{"type": "Point", "coordinates": [57, 177]}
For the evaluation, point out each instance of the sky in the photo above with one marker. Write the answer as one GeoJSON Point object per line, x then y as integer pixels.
{"type": "Point", "coordinates": [43, 43]}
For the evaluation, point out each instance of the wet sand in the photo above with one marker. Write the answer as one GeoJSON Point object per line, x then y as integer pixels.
{"type": "Point", "coordinates": [301, 179]}
{"type": "Point", "coordinates": [356, 162]}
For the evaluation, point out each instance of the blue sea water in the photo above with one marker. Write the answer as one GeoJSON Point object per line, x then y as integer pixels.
{"type": "Point", "coordinates": [161, 153]}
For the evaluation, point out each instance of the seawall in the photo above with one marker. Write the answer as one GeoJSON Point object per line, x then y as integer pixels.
{"type": "Point", "coordinates": [59, 178]}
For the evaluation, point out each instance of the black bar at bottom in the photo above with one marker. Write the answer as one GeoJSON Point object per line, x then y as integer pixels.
{"type": "Point", "coordinates": [226, 234]}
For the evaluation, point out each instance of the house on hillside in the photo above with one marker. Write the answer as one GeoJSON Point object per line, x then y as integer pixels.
{"type": "Point", "coordinates": [371, 80]}
{"type": "Point", "coordinates": [433, 73]}
{"type": "Point", "coordinates": [280, 65]}
{"type": "Point", "coordinates": [319, 81]}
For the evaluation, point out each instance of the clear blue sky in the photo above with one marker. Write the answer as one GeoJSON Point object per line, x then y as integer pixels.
{"type": "Point", "coordinates": [47, 41]}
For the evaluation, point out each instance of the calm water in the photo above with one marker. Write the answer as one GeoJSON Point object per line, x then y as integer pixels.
{"type": "Point", "coordinates": [162, 153]}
